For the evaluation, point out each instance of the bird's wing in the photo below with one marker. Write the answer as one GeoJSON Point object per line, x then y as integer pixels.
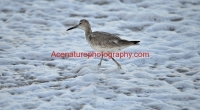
{"type": "Point", "coordinates": [104, 39]}
{"type": "Point", "coordinates": [105, 35]}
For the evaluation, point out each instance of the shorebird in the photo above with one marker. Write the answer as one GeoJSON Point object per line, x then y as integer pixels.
{"type": "Point", "coordinates": [103, 41]}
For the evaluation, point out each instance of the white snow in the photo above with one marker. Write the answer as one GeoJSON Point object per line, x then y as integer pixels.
{"type": "Point", "coordinates": [30, 30]}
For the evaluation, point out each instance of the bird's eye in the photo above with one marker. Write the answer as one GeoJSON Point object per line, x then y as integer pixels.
{"type": "Point", "coordinates": [79, 23]}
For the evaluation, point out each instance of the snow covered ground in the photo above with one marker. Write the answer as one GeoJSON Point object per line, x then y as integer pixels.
{"type": "Point", "coordinates": [169, 30]}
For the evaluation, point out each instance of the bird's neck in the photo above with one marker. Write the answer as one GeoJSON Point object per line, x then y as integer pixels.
{"type": "Point", "coordinates": [87, 33]}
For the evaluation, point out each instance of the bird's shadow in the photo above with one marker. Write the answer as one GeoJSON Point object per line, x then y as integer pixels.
{"type": "Point", "coordinates": [88, 68]}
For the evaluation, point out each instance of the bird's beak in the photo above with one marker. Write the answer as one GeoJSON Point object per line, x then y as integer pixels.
{"type": "Point", "coordinates": [72, 28]}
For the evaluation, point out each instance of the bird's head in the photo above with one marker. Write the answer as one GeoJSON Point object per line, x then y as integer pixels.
{"type": "Point", "coordinates": [83, 24]}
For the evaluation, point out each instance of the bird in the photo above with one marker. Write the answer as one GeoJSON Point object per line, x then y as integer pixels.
{"type": "Point", "coordinates": [103, 41]}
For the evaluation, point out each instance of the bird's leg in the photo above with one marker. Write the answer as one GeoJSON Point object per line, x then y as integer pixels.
{"type": "Point", "coordinates": [100, 61]}
{"type": "Point", "coordinates": [119, 66]}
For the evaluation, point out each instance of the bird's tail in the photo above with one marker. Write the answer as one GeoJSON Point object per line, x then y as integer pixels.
{"type": "Point", "coordinates": [135, 42]}
{"type": "Point", "coordinates": [126, 42]}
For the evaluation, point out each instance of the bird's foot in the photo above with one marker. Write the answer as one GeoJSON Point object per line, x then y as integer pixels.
{"type": "Point", "coordinates": [99, 65]}
{"type": "Point", "coordinates": [119, 66]}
